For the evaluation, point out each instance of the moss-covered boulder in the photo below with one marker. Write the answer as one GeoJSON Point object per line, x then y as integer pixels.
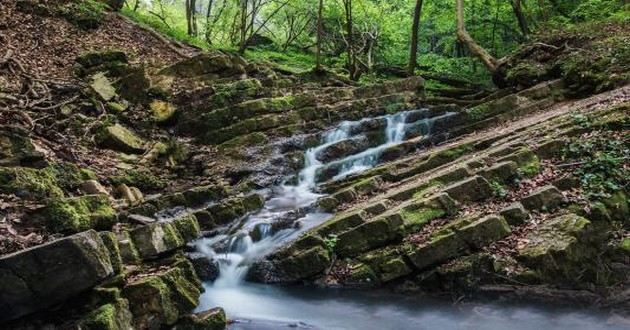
{"type": "Point", "coordinates": [29, 182]}
{"type": "Point", "coordinates": [17, 149]}
{"type": "Point", "coordinates": [212, 319]}
{"type": "Point", "coordinates": [546, 198]}
{"type": "Point", "coordinates": [560, 249]}
{"type": "Point", "coordinates": [113, 316]}
{"type": "Point", "coordinates": [162, 111]}
{"type": "Point", "coordinates": [111, 241]}
{"type": "Point", "coordinates": [75, 214]}
{"type": "Point", "coordinates": [304, 264]}
{"type": "Point", "coordinates": [48, 274]}
{"type": "Point", "coordinates": [142, 179]}
{"type": "Point", "coordinates": [154, 239]}
{"type": "Point", "coordinates": [369, 235]}
{"type": "Point", "coordinates": [119, 138]}
{"type": "Point", "coordinates": [436, 250]}
{"type": "Point", "coordinates": [473, 189]}
{"type": "Point", "coordinates": [503, 172]}
{"type": "Point", "coordinates": [484, 231]}
{"type": "Point", "coordinates": [188, 227]}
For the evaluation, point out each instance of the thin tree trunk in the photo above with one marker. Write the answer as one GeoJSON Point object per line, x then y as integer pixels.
{"type": "Point", "coordinates": [488, 60]}
{"type": "Point", "coordinates": [243, 40]}
{"type": "Point", "coordinates": [320, 32]}
{"type": "Point", "coordinates": [518, 12]}
{"type": "Point", "coordinates": [413, 48]}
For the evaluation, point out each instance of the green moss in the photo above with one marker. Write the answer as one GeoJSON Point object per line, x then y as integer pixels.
{"type": "Point", "coordinates": [415, 219]}
{"type": "Point", "coordinates": [478, 112]}
{"type": "Point", "coordinates": [150, 297]}
{"type": "Point", "coordinates": [29, 182]}
{"type": "Point", "coordinates": [103, 318]}
{"type": "Point", "coordinates": [71, 215]}
{"type": "Point", "coordinates": [625, 245]}
{"type": "Point", "coordinates": [142, 179]}
{"type": "Point", "coordinates": [253, 139]}
{"type": "Point", "coordinates": [111, 242]}
{"type": "Point", "coordinates": [188, 227]}
{"type": "Point", "coordinates": [85, 14]}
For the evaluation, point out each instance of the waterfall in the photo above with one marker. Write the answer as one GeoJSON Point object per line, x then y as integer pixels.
{"type": "Point", "coordinates": [239, 250]}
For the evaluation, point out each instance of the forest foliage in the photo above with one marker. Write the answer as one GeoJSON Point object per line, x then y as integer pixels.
{"type": "Point", "coordinates": [285, 31]}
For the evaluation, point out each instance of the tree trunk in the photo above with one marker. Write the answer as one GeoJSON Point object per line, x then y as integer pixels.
{"type": "Point", "coordinates": [518, 12]}
{"type": "Point", "coordinates": [243, 28]}
{"type": "Point", "coordinates": [488, 60]}
{"type": "Point", "coordinates": [413, 48]}
{"type": "Point", "coordinates": [352, 67]}
{"type": "Point", "coordinates": [320, 32]}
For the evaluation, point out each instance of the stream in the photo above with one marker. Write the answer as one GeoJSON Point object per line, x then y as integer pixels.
{"type": "Point", "coordinates": [258, 306]}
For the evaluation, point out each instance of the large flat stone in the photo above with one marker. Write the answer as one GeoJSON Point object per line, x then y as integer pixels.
{"type": "Point", "coordinates": [474, 189]}
{"type": "Point", "coordinates": [46, 275]}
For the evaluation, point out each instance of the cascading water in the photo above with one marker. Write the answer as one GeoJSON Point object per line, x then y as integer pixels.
{"type": "Point", "coordinates": [235, 252]}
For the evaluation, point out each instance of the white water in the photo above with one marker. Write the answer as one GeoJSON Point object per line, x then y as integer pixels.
{"type": "Point", "coordinates": [241, 249]}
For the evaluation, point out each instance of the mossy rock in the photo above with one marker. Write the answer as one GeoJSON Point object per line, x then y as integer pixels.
{"type": "Point", "coordinates": [113, 316]}
{"type": "Point", "coordinates": [305, 264]}
{"type": "Point", "coordinates": [111, 241]}
{"type": "Point", "coordinates": [142, 179]}
{"type": "Point", "coordinates": [118, 137]}
{"type": "Point", "coordinates": [17, 149]}
{"type": "Point", "coordinates": [76, 214]}
{"type": "Point", "coordinates": [484, 231]}
{"type": "Point", "coordinates": [414, 219]}
{"type": "Point", "coordinates": [546, 198]}
{"type": "Point", "coordinates": [155, 239]}
{"type": "Point", "coordinates": [29, 182]}
{"type": "Point", "coordinates": [151, 303]}
{"type": "Point", "coordinates": [369, 235]}
{"type": "Point", "coordinates": [213, 319]}
{"type": "Point", "coordinates": [436, 250]}
{"type": "Point", "coordinates": [473, 189]}
{"type": "Point", "coordinates": [188, 227]}
{"type": "Point", "coordinates": [162, 111]}
{"type": "Point", "coordinates": [84, 14]}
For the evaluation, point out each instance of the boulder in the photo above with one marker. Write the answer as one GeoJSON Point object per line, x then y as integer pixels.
{"type": "Point", "coordinates": [515, 214]}
{"type": "Point", "coordinates": [154, 239]}
{"type": "Point", "coordinates": [128, 252]}
{"type": "Point", "coordinates": [304, 264]}
{"type": "Point", "coordinates": [502, 172]}
{"type": "Point", "coordinates": [102, 87]}
{"type": "Point", "coordinates": [75, 214]}
{"type": "Point", "coordinates": [559, 248]}
{"type": "Point", "coordinates": [119, 138]}
{"type": "Point", "coordinates": [473, 189]}
{"type": "Point", "coordinates": [188, 227]}
{"type": "Point", "coordinates": [369, 235]}
{"type": "Point", "coordinates": [219, 64]}
{"type": "Point", "coordinates": [160, 299]}
{"type": "Point", "coordinates": [46, 275]}
{"type": "Point", "coordinates": [546, 198]}
{"type": "Point", "coordinates": [206, 269]}
{"type": "Point", "coordinates": [437, 250]}
{"type": "Point", "coordinates": [112, 316]}
{"type": "Point", "coordinates": [162, 111]}
{"type": "Point", "coordinates": [484, 231]}
{"type": "Point", "coordinates": [212, 319]}
{"type": "Point", "coordinates": [111, 242]}
{"type": "Point", "coordinates": [17, 149]}
{"type": "Point", "coordinates": [93, 187]}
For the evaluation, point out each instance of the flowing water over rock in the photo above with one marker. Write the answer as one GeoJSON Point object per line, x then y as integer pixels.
{"type": "Point", "coordinates": [289, 210]}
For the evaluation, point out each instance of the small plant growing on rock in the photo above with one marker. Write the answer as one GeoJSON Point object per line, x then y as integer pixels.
{"type": "Point", "coordinates": [498, 190]}
{"type": "Point", "coordinates": [331, 242]}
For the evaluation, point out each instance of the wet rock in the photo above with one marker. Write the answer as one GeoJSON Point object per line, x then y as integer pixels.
{"type": "Point", "coordinates": [45, 275]}
{"type": "Point", "coordinates": [122, 139]}
{"type": "Point", "coordinates": [328, 204]}
{"type": "Point", "coordinates": [188, 227]}
{"type": "Point", "coordinates": [344, 148]}
{"type": "Point", "coordinates": [346, 196]}
{"type": "Point", "coordinates": [484, 231]}
{"type": "Point", "coordinates": [470, 190]}
{"type": "Point", "coordinates": [546, 198]}
{"type": "Point", "coordinates": [436, 250]}
{"type": "Point", "coordinates": [515, 214]}
{"type": "Point", "coordinates": [206, 269]}
{"type": "Point", "coordinates": [213, 319]}
{"type": "Point", "coordinates": [304, 264]}
{"type": "Point", "coordinates": [157, 238]}
{"type": "Point", "coordinates": [359, 275]}
{"type": "Point", "coordinates": [253, 202]}
{"type": "Point", "coordinates": [75, 214]}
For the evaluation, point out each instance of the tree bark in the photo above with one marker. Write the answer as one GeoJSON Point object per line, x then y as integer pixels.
{"type": "Point", "coordinates": [520, 17]}
{"type": "Point", "coordinates": [320, 32]}
{"type": "Point", "coordinates": [413, 47]}
{"type": "Point", "coordinates": [488, 60]}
